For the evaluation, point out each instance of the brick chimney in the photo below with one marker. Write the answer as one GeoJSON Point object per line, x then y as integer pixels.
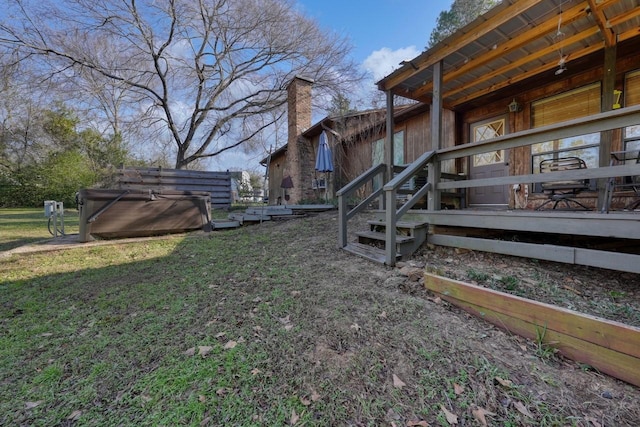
{"type": "Point", "coordinates": [300, 160]}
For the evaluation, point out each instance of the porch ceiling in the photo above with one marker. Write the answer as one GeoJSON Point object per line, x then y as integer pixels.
{"type": "Point", "coordinates": [514, 42]}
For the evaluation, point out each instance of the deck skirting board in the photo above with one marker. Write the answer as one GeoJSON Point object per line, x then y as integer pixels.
{"type": "Point", "coordinates": [594, 258]}
{"type": "Point", "coordinates": [623, 226]}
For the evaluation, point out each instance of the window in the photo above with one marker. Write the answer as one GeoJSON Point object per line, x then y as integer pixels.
{"type": "Point", "coordinates": [377, 154]}
{"type": "Point", "coordinates": [632, 97]}
{"type": "Point", "coordinates": [581, 102]}
{"type": "Point", "coordinates": [483, 132]}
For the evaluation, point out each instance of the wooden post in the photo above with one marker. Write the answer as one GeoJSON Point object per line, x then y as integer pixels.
{"type": "Point", "coordinates": [388, 149]}
{"type": "Point", "coordinates": [390, 196]}
{"type": "Point", "coordinates": [606, 137]}
{"type": "Point", "coordinates": [433, 198]}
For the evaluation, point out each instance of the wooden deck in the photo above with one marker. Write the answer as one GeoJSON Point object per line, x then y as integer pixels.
{"type": "Point", "coordinates": [586, 238]}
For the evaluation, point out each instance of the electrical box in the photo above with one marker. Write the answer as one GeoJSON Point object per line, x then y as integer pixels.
{"type": "Point", "coordinates": [49, 207]}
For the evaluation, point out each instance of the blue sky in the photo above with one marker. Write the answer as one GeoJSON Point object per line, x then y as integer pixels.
{"type": "Point", "coordinates": [382, 32]}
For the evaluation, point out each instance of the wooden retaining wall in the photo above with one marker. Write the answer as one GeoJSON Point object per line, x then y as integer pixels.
{"type": "Point", "coordinates": [610, 347]}
{"type": "Point", "coordinates": [218, 184]}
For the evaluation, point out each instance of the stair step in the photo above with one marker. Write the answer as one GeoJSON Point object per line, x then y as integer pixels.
{"type": "Point", "coordinates": [402, 224]}
{"type": "Point", "coordinates": [376, 235]}
{"type": "Point", "coordinates": [248, 217]}
{"type": "Point", "coordinates": [269, 211]}
{"type": "Point", "coordinates": [220, 224]}
{"type": "Point", "coordinates": [366, 251]}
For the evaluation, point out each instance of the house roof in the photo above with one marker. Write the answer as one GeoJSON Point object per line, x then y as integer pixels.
{"type": "Point", "coordinates": [516, 41]}
{"type": "Point", "coordinates": [327, 122]}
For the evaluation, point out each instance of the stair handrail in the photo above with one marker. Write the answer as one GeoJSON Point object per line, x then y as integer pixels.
{"type": "Point", "coordinates": [348, 190]}
{"type": "Point", "coordinates": [391, 191]}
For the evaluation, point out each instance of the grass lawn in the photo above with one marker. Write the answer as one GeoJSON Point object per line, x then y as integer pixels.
{"type": "Point", "coordinates": [22, 226]}
{"type": "Point", "coordinates": [267, 325]}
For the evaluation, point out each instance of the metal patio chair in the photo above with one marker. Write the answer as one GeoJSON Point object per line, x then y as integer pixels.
{"type": "Point", "coordinates": [625, 183]}
{"type": "Point", "coordinates": [563, 191]}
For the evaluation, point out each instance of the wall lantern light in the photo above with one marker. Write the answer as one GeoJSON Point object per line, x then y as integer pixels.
{"type": "Point", "coordinates": [514, 106]}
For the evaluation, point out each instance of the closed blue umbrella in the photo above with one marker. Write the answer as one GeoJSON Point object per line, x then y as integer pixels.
{"type": "Point", "coordinates": [324, 162]}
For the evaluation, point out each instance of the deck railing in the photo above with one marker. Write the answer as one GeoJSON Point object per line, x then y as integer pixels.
{"type": "Point", "coordinates": [347, 192]}
{"type": "Point", "coordinates": [439, 182]}
{"type": "Point", "coordinates": [391, 194]}
{"type": "Point", "coordinates": [610, 120]}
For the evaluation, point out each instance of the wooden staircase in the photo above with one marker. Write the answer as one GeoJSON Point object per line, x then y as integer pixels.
{"type": "Point", "coordinates": [371, 243]}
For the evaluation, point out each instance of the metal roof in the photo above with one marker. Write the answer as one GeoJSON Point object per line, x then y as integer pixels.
{"type": "Point", "coordinates": [515, 41]}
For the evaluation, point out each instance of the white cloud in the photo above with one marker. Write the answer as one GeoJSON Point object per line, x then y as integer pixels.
{"type": "Point", "coordinates": [382, 62]}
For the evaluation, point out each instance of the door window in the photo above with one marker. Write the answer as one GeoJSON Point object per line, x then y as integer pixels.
{"type": "Point", "coordinates": [483, 132]}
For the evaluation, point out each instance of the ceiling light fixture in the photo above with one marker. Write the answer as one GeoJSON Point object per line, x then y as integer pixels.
{"type": "Point", "coordinates": [559, 38]}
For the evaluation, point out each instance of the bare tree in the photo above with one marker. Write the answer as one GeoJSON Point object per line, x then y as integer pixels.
{"type": "Point", "coordinates": [199, 70]}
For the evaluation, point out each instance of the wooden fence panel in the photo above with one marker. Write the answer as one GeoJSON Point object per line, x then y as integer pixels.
{"type": "Point", "coordinates": [218, 184]}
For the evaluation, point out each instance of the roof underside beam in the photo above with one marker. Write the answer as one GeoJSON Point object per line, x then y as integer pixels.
{"type": "Point", "coordinates": [515, 64]}
{"type": "Point", "coordinates": [523, 76]}
{"type": "Point", "coordinates": [484, 28]}
{"type": "Point", "coordinates": [605, 28]}
{"type": "Point", "coordinates": [510, 46]}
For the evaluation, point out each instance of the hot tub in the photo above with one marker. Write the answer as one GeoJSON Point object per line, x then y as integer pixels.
{"type": "Point", "coordinates": [109, 214]}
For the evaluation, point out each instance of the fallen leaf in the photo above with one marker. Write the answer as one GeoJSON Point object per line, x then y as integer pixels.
{"type": "Point", "coordinates": [285, 320]}
{"type": "Point", "coordinates": [505, 383]}
{"type": "Point", "coordinates": [75, 415]}
{"type": "Point", "coordinates": [145, 398]}
{"type": "Point", "coordinates": [220, 334]}
{"type": "Point", "coordinates": [202, 398]}
{"type": "Point", "coordinates": [397, 382]}
{"type": "Point", "coordinates": [203, 350]}
{"type": "Point", "coordinates": [46, 334]}
{"type": "Point", "coordinates": [315, 396]}
{"type": "Point", "coordinates": [288, 327]}
{"type": "Point", "coordinates": [356, 327]}
{"type": "Point", "coordinates": [231, 344]}
{"type": "Point", "coordinates": [255, 371]}
{"type": "Point", "coordinates": [221, 391]}
{"type": "Point", "coordinates": [417, 424]}
{"type": "Point", "coordinates": [257, 328]}
{"type": "Point", "coordinates": [31, 405]}
{"type": "Point", "coordinates": [189, 352]}
{"type": "Point", "coordinates": [451, 418]}
{"type": "Point", "coordinates": [305, 402]}
{"type": "Point", "coordinates": [479, 414]}
{"type": "Point", "coordinates": [295, 293]}
{"type": "Point", "coordinates": [522, 409]}
{"type": "Point", "coordinates": [458, 389]}
{"type": "Point", "coordinates": [294, 417]}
